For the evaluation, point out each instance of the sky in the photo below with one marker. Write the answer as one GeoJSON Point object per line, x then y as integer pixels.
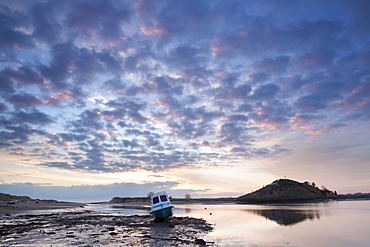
{"type": "Point", "coordinates": [212, 98]}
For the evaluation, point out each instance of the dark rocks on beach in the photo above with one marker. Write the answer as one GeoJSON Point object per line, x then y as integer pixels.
{"type": "Point", "coordinates": [90, 228]}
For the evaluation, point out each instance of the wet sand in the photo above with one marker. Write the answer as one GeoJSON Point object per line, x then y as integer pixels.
{"type": "Point", "coordinates": [22, 207]}
{"type": "Point", "coordinates": [71, 225]}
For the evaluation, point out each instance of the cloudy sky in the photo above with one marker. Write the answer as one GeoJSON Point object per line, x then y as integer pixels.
{"type": "Point", "coordinates": [212, 98]}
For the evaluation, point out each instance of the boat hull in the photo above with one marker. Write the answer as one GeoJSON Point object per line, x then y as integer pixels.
{"type": "Point", "coordinates": [162, 213]}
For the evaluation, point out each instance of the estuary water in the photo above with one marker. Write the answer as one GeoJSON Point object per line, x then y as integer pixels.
{"type": "Point", "coordinates": [333, 223]}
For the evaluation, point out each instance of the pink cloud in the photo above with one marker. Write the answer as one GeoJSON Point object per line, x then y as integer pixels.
{"type": "Point", "coordinates": [362, 90]}
{"type": "Point", "coordinates": [64, 96]}
{"type": "Point", "coordinates": [316, 132]}
{"type": "Point", "coordinates": [298, 118]}
{"type": "Point", "coordinates": [155, 30]}
{"type": "Point", "coordinates": [56, 99]}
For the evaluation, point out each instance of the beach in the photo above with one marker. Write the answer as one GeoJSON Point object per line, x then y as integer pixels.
{"type": "Point", "coordinates": [70, 224]}
{"type": "Point", "coordinates": [22, 207]}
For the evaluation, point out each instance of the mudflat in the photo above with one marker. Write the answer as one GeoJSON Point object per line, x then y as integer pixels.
{"type": "Point", "coordinates": [74, 225]}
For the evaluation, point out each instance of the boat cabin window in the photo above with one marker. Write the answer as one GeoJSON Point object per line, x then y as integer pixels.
{"type": "Point", "coordinates": [163, 198]}
{"type": "Point", "coordinates": [155, 200]}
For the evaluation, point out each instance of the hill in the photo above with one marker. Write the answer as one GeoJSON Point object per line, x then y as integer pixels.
{"type": "Point", "coordinates": [129, 199]}
{"type": "Point", "coordinates": [10, 198]}
{"type": "Point", "coordinates": [286, 190]}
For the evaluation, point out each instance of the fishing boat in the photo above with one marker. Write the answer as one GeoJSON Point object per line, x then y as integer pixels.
{"type": "Point", "coordinates": [161, 206]}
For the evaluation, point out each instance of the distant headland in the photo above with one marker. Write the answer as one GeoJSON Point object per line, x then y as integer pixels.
{"type": "Point", "coordinates": [286, 190]}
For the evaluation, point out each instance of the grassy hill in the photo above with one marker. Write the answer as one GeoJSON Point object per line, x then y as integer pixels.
{"type": "Point", "coordinates": [284, 190]}
{"type": "Point", "coordinates": [9, 198]}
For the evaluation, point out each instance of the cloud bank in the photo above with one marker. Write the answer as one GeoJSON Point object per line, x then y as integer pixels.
{"type": "Point", "coordinates": [155, 86]}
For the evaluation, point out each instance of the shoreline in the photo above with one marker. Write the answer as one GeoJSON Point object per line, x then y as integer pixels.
{"type": "Point", "coordinates": [202, 201]}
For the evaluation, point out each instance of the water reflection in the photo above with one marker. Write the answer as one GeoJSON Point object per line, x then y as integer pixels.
{"type": "Point", "coordinates": [138, 207]}
{"type": "Point", "coordinates": [286, 217]}
{"type": "Point", "coordinates": [187, 210]}
{"type": "Point", "coordinates": [265, 225]}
